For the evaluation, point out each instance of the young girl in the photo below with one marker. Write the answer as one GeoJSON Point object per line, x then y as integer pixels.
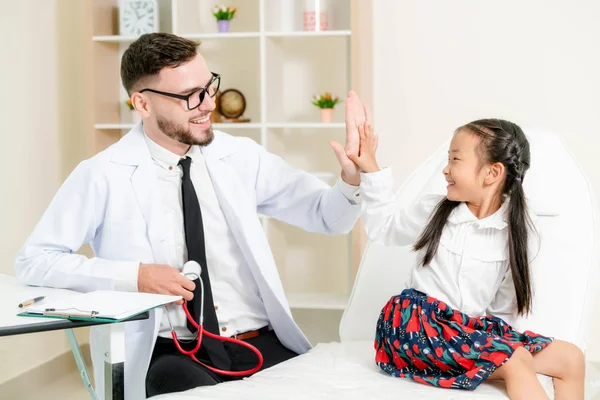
{"type": "Point", "coordinates": [452, 327]}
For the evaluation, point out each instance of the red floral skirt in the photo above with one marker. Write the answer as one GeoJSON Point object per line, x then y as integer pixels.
{"type": "Point", "coordinates": [423, 339]}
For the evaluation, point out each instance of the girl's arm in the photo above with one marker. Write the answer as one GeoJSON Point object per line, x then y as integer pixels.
{"type": "Point", "coordinates": [385, 220]}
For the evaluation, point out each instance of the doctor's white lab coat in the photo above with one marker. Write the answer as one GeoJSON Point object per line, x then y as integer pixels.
{"type": "Point", "coordinates": [111, 202]}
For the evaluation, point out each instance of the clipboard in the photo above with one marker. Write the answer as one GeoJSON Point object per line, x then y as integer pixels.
{"type": "Point", "coordinates": [99, 306]}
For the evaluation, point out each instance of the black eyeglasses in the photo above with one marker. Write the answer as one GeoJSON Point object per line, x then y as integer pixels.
{"type": "Point", "coordinates": [195, 98]}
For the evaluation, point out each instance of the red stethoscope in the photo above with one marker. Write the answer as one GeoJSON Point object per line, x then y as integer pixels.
{"type": "Point", "coordinates": [191, 270]}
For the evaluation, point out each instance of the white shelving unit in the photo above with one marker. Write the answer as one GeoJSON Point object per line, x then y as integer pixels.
{"type": "Point", "coordinates": [278, 67]}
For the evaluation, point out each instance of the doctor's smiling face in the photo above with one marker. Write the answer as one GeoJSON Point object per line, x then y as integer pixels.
{"type": "Point", "coordinates": [172, 88]}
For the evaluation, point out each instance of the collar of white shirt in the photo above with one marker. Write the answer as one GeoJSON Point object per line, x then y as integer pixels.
{"type": "Point", "coordinates": [497, 220]}
{"type": "Point", "coordinates": [167, 159]}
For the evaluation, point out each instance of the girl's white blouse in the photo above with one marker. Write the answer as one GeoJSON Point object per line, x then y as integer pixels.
{"type": "Point", "coordinates": [470, 271]}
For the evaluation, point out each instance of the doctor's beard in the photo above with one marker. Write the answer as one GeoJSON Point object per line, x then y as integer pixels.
{"type": "Point", "coordinates": [183, 135]}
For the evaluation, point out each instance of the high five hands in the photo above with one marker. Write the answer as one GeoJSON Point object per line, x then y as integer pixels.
{"type": "Point", "coordinates": [358, 155]}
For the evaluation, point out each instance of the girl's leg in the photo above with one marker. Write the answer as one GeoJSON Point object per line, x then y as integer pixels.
{"type": "Point", "coordinates": [519, 374]}
{"type": "Point", "coordinates": [565, 363]}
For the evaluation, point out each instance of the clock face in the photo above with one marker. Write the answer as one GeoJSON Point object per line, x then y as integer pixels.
{"type": "Point", "coordinates": [137, 17]}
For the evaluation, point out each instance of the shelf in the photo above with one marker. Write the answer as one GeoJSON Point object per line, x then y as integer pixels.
{"type": "Point", "coordinates": [308, 34]}
{"type": "Point", "coordinates": [237, 125]}
{"type": "Point", "coordinates": [114, 39]}
{"type": "Point", "coordinates": [197, 36]}
{"type": "Point", "coordinates": [306, 125]}
{"type": "Point", "coordinates": [317, 301]}
{"type": "Point", "coordinates": [228, 35]}
{"type": "Point", "coordinates": [241, 125]}
{"type": "Point", "coordinates": [113, 126]}
{"type": "Point", "coordinates": [249, 125]}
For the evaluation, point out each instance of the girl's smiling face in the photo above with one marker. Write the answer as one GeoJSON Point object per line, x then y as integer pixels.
{"type": "Point", "coordinates": [465, 172]}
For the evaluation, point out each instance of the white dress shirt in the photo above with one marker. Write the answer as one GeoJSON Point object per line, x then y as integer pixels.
{"type": "Point", "coordinates": [236, 298]}
{"type": "Point", "coordinates": [470, 271]}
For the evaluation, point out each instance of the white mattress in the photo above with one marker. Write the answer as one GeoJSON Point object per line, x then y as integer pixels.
{"type": "Point", "coordinates": [343, 371]}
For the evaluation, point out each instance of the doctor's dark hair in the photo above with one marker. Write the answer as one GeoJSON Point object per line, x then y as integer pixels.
{"type": "Point", "coordinates": [152, 52]}
{"type": "Point", "coordinates": [503, 142]}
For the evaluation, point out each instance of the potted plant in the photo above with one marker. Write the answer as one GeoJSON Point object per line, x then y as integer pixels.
{"type": "Point", "coordinates": [135, 116]}
{"type": "Point", "coordinates": [224, 14]}
{"type": "Point", "coordinates": [326, 102]}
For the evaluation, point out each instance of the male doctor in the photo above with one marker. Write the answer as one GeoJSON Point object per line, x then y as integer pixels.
{"type": "Point", "coordinates": [174, 190]}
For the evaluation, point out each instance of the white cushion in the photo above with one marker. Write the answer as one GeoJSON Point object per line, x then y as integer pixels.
{"type": "Point", "coordinates": [347, 371]}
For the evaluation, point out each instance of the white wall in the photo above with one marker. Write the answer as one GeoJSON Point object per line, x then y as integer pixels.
{"type": "Point", "coordinates": [42, 136]}
{"type": "Point", "coordinates": [440, 64]}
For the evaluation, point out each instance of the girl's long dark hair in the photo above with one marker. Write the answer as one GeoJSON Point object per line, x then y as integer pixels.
{"type": "Point", "coordinates": [503, 142]}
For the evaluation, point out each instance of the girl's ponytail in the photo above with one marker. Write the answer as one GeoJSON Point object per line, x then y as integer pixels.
{"type": "Point", "coordinates": [518, 224]}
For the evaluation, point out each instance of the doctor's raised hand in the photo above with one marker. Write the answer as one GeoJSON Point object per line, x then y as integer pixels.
{"type": "Point", "coordinates": [356, 116]}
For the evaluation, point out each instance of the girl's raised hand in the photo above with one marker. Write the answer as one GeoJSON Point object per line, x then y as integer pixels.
{"type": "Point", "coordinates": [366, 159]}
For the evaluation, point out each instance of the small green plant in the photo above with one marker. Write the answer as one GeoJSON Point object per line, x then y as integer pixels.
{"type": "Point", "coordinates": [129, 104]}
{"type": "Point", "coordinates": [224, 13]}
{"type": "Point", "coordinates": [325, 100]}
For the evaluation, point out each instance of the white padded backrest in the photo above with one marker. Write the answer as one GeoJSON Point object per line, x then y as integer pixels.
{"type": "Point", "coordinates": [562, 272]}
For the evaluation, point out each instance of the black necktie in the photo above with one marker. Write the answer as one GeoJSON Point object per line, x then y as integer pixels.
{"type": "Point", "coordinates": [194, 240]}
